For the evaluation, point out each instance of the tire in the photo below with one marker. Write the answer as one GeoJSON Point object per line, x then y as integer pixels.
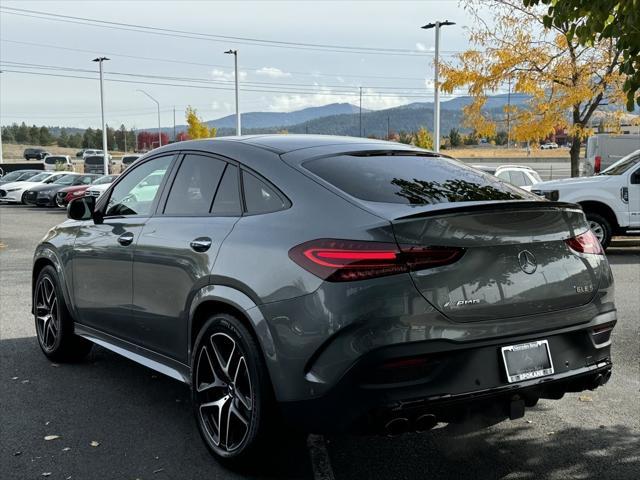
{"type": "Point", "coordinates": [601, 227]}
{"type": "Point", "coordinates": [241, 399]}
{"type": "Point", "coordinates": [54, 325]}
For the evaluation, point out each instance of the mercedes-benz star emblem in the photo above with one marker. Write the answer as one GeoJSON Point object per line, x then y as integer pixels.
{"type": "Point", "coordinates": [527, 261]}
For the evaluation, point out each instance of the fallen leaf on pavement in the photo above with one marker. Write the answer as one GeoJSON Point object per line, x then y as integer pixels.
{"type": "Point", "coordinates": [158, 470]}
{"type": "Point", "coordinates": [46, 474]}
{"type": "Point", "coordinates": [17, 454]}
{"type": "Point", "coordinates": [585, 398]}
{"type": "Point", "coordinates": [51, 437]}
{"type": "Point", "coordinates": [66, 449]}
{"type": "Point", "coordinates": [94, 443]}
{"type": "Point", "coordinates": [14, 378]}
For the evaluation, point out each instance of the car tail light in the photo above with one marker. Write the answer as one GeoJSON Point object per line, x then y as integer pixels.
{"type": "Point", "coordinates": [349, 260]}
{"type": "Point", "coordinates": [586, 243]}
{"type": "Point", "coordinates": [597, 164]}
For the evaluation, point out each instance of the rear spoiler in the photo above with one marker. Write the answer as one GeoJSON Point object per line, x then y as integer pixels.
{"type": "Point", "coordinates": [471, 207]}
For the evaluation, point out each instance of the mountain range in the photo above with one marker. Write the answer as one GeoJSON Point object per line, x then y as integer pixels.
{"type": "Point", "coordinates": [344, 118]}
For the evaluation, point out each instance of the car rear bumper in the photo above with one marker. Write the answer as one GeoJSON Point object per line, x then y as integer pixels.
{"type": "Point", "coordinates": [387, 391]}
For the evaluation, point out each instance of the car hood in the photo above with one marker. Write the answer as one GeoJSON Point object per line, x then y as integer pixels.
{"type": "Point", "coordinates": [46, 187]}
{"type": "Point", "coordinates": [74, 188]}
{"type": "Point", "coordinates": [576, 182]}
{"type": "Point", "coordinates": [99, 188]}
{"type": "Point", "coordinates": [24, 185]}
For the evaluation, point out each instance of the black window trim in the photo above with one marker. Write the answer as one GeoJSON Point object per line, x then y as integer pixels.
{"type": "Point", "coordinates": [162, 203]}
{"type": "Point", "coordinates": [160, 206]}
{"type": "Point", "coordinates": [104, 200]}
{"type": "Point", "coordinates": [285, 200]}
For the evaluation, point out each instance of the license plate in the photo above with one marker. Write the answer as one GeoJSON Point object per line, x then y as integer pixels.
{"type": "Point", "coordinates": [527, 360]}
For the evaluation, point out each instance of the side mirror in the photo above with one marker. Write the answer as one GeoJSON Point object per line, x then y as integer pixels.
{"type": "Point", "coordinates": [83, 209]}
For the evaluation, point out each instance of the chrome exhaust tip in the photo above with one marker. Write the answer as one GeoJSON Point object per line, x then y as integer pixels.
{"type": "Point", "coordinates": [396, 426]}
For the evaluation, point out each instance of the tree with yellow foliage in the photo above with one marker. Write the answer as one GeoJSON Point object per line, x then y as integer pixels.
{"type": "Point", "coordinates": [564, 80]}
{"type": "Point", "coordinates": [197, 128]}
{"type": "Point", "coordinates": [423, 139]}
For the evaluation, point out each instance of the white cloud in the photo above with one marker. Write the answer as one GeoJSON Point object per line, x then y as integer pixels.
{"type": "Point", "coordinates": [371, 100]}
{"type": "Point", "coordinates": [272, 72]}
{"type": "Point", "coordinates": [222, 75]}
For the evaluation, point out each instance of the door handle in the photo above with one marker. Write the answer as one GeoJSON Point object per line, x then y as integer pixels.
{"type": "Point", "coordinates": [125, 239]}
{"type": "Point", "coordinates": [201, 244]}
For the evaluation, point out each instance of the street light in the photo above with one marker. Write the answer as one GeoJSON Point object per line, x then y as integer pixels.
{"type": "Point", "coordinates": [436, 99]}
{"type": "Point", "coordinates": [159, 127]}
{"type": "Point", "coordinates": [235, 61]}
{"type": "Point", "coordinates": [104, 130]}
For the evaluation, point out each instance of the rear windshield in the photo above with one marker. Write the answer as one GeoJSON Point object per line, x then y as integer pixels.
{"type": "Point", "coordinates": [53, 160]}
{"type": "Point", "coordinates": [94, 160]}
{"type": "Point", "coordinates": [411, 179]}
{"type": "Point", "coordinates": [40, 177]}
{"type": "Point", "coordinates": [128, 160]}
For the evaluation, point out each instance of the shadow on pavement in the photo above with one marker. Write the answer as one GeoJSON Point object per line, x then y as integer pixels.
{"type": "Point", "coordinates": [514, 451]}
{"type": "Point", "coordinates": [623, 255]}
{"type": "Point", "coordinates": [141, 419]}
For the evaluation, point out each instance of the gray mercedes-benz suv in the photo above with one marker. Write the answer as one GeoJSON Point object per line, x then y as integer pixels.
{"type": "Point", "coordinates": [343, 283]}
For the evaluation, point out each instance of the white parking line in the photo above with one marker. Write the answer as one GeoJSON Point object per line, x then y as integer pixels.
{"type": "Point", "coordinates": [320, 462]}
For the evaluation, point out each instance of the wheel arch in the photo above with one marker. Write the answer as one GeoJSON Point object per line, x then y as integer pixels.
{"type": "Point", "coordinates": [46, 256]}
{"type": "Point", "coordinates": [602, 209]}
{"type": "Point", "coordinates": [224, 299]}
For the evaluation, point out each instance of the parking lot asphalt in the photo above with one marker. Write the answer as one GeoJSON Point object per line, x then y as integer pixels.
{"type": "Point", "coordinates": [142, 427]}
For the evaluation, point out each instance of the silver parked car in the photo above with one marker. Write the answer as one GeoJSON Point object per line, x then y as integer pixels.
{"type": "Point", "coordinates": [341, 283]}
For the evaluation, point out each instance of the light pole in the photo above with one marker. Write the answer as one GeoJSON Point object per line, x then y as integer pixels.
{"type": "Point", "coordinates": [436, 96]}
{"type": "Point", "coordinates": [235, 62]}
{"type": "Point", "coordinates": [105, 159]}
{"type": "Point", "coordinates": [159, 127]}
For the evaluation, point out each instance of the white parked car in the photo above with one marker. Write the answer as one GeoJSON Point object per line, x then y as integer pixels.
{"type": "Point", "coordinates": [100, 186]}
{"type": "Point", "coordinates": [518, 175]}
{"type": "Point", "coordinates": [548, 146]}
{"type": "Point", "coordinates": [51, 162]}
{"type": "Point", "coordinates": [13, 192]}
{"type": "Point", "coordinates": [610, 200]}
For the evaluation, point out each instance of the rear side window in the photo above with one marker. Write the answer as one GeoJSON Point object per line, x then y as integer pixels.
{"type": "Point", "coordinates": [260, 197]}
{"type": "Point", "coordinates": [194, 186]}
{"type": "Point", "coordinates": [411, 179]}
{"type": "Point", "coordinates": [519, 178]}
{"type": "Point", "coordinates": [227, 201]}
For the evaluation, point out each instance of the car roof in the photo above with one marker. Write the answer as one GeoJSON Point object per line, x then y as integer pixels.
{"type": "Point", "coordinates": [278, 143]}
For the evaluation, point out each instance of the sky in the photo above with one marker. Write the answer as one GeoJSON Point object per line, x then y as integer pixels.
{"type": "Point", "coordinates": [387, 54]}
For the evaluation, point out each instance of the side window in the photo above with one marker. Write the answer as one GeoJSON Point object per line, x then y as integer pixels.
{"type": "Point", "coordinates": [227, 201]}
{"type": "Point", "coordinates": [135, 194]}
{"type": "Point", "coordinates": [260, 197]}
{"type": "Point", "coordinates": [518, 178]}
{"type": "Point", "coordinates": [194, 186]}
{"type": "Point", "coordinates": [504, 175]}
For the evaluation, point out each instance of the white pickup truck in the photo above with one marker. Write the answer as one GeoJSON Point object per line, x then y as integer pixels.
{"type": "Point", "coordinates": [610, 200]}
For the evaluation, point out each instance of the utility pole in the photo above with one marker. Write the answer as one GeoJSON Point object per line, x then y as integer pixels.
{"type": "Point", "coordinates": [509, 116]}
{"type": "Point", "coordinates": [388, 129]}
{"type": "Point", "coordinates": [125, 140]}
{"type": "Point", "coordinates": [235, 63]}
{"type": "Point", "coordinates": [436, 81]}
{"type": "Point", "coordinates": [159, 127]}
{"type": "Point", "coordinates": [105, 159]}
{"type": "Point", "coordinates": [174, 123]}
{"type": "Point", "coordinates": [360, 111]}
